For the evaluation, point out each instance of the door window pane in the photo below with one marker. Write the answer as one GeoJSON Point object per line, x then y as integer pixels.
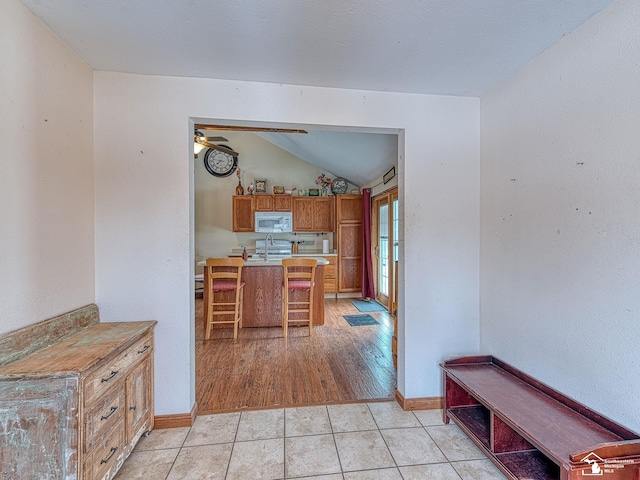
{"type": "Point", "coordinates": [383, 242]}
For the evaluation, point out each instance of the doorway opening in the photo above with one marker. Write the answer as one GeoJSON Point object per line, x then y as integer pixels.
{"type": "Point", "coordinates": [261, 369]}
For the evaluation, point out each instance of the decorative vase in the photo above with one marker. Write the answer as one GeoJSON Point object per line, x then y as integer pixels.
{"type": "Point", "coordinates": [239, 189]}
{"type": "Point", "coordinates": [323, 191]}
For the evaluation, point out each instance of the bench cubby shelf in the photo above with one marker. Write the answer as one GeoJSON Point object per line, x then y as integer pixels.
{"type": "Point", "coordinates": [531, 431]}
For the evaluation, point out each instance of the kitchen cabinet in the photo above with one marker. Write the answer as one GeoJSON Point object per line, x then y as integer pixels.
{"type": "Point", "coordinates": [263, 203]}
{"type": "Point", "coordinates": [330, 275]}
{"type": "Point", "coordinates": [303, 214]}
{"type": "Point", "coordinates": [282, 203]}
{"type": "Point", "coordinates": [242, 214]}
{"type": "Point", "coordinates": [349, 242]}
{"type": "Point", "coordinates": [349, 209]}
{"type": "Point", "coordinates": [273, 203]}
{"type": "Point", "coordinates": [349, 257]}
{"type": "Point", "coordinates": [313, 214]}
{"type": "Point", "coordinates": [79, 404]}
{"type": "Point", "coordinates": [244, 207]}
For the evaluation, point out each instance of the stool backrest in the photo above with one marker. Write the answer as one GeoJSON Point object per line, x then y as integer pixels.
{"type": "Point", "coordinates": [224, 270]}
{"type": "Point", "coordinates": [299, 269]}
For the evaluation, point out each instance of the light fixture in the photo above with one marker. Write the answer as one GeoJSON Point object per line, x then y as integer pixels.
{"type": "Point", "coordinates": [198, 142]}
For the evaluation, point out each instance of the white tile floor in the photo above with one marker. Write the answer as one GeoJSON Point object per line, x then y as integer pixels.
{"type": "Point", "coordinates": [364, 441]}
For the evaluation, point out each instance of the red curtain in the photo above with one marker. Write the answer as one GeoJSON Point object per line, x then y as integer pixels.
{"type": "Point", "coordinates": [368, 287]}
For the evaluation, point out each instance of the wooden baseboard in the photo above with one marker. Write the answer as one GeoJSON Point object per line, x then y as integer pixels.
{"type": "Point", "coordinates": [425, 403]}
{"type": "Point", "coordinates": [177, 420]}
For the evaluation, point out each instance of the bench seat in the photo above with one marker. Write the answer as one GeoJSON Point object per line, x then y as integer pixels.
{"type": "Point", "coordinates": [530, 430]}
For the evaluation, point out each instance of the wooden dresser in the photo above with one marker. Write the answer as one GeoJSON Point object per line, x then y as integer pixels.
{"type": "Point", "coordinates": [75, 396]}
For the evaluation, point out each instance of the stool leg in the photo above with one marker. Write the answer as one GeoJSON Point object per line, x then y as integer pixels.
{"type": "Point", "coordinates": [209, 320]}
{"type": "Point", "coordinates": [241, 305]}
{"type": "Point", "coordinates": [285, 311]}
{"type": "Point", "coordinates": [311, 309]}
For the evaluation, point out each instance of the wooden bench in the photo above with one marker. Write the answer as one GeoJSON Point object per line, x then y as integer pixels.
{"type": "Point", "coordinates": [531, 431]}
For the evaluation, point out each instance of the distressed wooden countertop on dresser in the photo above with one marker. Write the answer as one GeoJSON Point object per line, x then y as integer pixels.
{"type": "Point", "coordinates": [75, 406]}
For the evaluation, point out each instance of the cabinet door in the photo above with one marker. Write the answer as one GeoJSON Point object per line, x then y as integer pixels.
{"type": "Point", "coordinates": [330, 281]}
{"type": "Point", "coordinates": [323, 214]}
{"type": "Point", "coordinates": [282, 203]}
{"type": "Point", "coordinates": [264, 203]}
{"type": "Point", "coordinates": [303, 214]}
{"type": "Point", "coordinates": [39, 428]}
{"type": "Point", "coordinates": [349, 208]}
{"type": "Point", "coordinates": [138, 399]}
{"type": "Point", "coordinates": [243, 214]}
{"type": "Point", "coordinates": [349, 257]}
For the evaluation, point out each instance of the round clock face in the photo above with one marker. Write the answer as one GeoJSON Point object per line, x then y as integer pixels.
{"type": "Point", "coordinates": [219, 163]}
{"type": "Point", "coordinates": [339, 186]}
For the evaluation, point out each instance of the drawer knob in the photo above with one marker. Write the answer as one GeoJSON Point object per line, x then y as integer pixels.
{"type": "Point", "coordinates": [146, 347]}
{"type": "Point", "coordinates": [113, 410]}
{"type": "Point", "coordinates": [113, 452]}
{"type": "Point", "coordinates": [113, 374]}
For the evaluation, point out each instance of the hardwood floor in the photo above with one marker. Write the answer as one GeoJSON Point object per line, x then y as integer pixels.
{"type": "Point", "coordinates": [339, 363]}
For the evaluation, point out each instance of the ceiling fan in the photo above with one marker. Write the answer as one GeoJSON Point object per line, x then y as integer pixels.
{"type": "Point", "coordinates": [200, 142]}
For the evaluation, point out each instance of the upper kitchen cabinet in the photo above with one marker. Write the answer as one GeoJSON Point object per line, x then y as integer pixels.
{"type": "Point", "coordinates": [323, 214]}
{"type": "Point", "coordinates": [313, 214]}
{"type": "Point", "coordinates": [263, 203]}
{"type": "Point", "coordinates": [243, 208]}
{"type": "Point", "coordinates": [349, 209]}
{"type": "Point", "coordinates": [282, 203]}
{"type": "Point", "coordinates": [273, 203]}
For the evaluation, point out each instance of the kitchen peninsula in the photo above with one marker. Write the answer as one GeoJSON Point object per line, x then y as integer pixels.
{"type": "Point", "coordinates": [263, 293]}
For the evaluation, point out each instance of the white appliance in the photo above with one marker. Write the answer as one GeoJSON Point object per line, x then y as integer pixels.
{"type": "Point", "coordinates": [277, 248]}
{"type": "Point", "coordinates": [273, 222]}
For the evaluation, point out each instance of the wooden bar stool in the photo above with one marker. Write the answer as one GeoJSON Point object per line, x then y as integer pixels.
{"type": "Point", "coordinates": [223, 293]}
{"type": "Point", "coordinates": [297, 291]}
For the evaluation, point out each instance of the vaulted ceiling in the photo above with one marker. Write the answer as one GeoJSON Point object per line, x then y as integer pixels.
{"type": "Point", "coordinates": [442, 47]}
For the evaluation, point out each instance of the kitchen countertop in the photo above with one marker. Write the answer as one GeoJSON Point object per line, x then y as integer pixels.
{"type": "Point", "coordinates": [273, 262]}
{"type": "Point", "coordinates": [236, 252]}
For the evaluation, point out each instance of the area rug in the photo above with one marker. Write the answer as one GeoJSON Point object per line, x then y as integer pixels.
{"type": "Point", "coordinates": [368, 306]}
{"type": "Point", "coordinates": [360, 320]}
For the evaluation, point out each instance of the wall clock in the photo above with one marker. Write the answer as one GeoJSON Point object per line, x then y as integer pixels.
{"type": "Point", "coordinates": [221, 161]}
{"type": "Point", "coordinates": [339, 186]}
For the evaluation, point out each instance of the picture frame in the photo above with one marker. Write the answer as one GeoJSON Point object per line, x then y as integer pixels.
{"type": "Point", "coordinates": [314, 192]}
{"type": "Point", "coordinates": [260, 184]}
{"type": "Point", "coordinates": [386, 178]}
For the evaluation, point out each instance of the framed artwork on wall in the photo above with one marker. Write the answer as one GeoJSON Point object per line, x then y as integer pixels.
{"type": "Point", "coordinates": [389, 175]}
{"type": "Point", "coordinates": [261, 185]}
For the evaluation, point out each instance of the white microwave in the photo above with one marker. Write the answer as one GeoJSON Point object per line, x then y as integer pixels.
{"type": "Point", "coordinates": [273, 222]}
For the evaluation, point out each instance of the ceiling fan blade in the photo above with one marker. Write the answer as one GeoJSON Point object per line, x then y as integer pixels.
{"type": "Point", "coordinates": [220, 148]}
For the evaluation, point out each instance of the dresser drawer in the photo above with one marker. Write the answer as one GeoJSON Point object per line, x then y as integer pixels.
{"type": "Point", "coordinates": [103, 416]}
{"type": "Point", "coordinates": [105, 455]}
{"type": "Point", "coordinates": [103, 378]}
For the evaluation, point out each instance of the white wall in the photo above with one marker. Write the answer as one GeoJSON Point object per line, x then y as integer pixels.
{"type": "Point", "coordinates": [560, 203]}
{"type": "Point", "coordinates": [144, 215]}
{"type": "Point", "coordinates": [46, 180]}
{"type": "Point", "coordinates": [257, 158]}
